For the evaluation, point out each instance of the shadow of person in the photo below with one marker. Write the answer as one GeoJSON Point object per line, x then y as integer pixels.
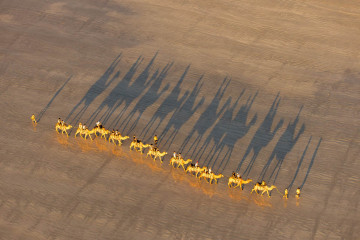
{"type": "Point", "coordinates": [42, 112]}
{"type": "Point", "coordinates": [94, 91]}
{"type": "Point", "coordinates": [311, 163]}
{"type": "Point", "coordinates": [171, 103]}
{"type": "Point", "coordinates": [283, 147]}
{"type": "Point", "coordinates": [151, 96]}
{"type": "Point", "coordinates": [262, 136]}
{"type": "Point", "coordinates": [299, 165]}
{"type": "Point", "coordinates": [207, 118]}
{"type": "Point", "coordinates": [182, 115]}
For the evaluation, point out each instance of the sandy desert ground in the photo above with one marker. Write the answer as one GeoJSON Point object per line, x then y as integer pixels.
{"type": "Point", "coordinates": [270, 89]}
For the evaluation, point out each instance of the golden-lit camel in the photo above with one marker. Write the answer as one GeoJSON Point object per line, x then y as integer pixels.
{"type": "Point", "coordinates": [88, 132]}
{"type": "Point", "coordinates": [211, 176]}
{"type": "Point", "coordinates": [62, 128]}
{"type": "Point", "coordinates": [151, 153]}
{"type": "Point", "coordinates": [263, 188]}
{"type": "Point", "coordinates": [118, 138]}
{"type": "Point", "coordinates": [80, 131]}
{"type": "Point", "coordinates": [138, 146]}
{"type": "Point", "coordinates": [159, 155]}
{"type": "Point", "coordinates": [179, 162]}
{"type": "Point", "coordinates": [174, 161]}
{"type": "Point", "coordinates": [155, 153]}
{"type": "Point", "coordinates": [216, 177]}
{"type": "Point", "coordinates": [196, 170]}
{"type": "Point", "coordinates": [183, 163]}
{"type": "Point", "coordinates": [102, 131]}
{"type": "Point", "coordinates": [237, 182]}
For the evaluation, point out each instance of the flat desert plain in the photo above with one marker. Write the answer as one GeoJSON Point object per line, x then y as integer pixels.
{"type": "Point", "coordinates": [268, 89]}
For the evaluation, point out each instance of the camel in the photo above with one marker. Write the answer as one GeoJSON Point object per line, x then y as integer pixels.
{"type": "Point", "coordinates": [155, 153]}
{"type": "Point", "coordinates": [179, 162]}
{"type": "Point", "coordinates": [183, 163]}
{"type": "Point", "coordinates": [259, 187]}
{"type": "Point", "coordinates": [88, 132]}
{"type": "Point", "coordinates": [118, 138]}
{"type": "Point", "coordinates": [63, 128]}
{"type": "Point", "coordinates": [159, 155]}
{"type": "Point", "coordinates": [196, 170]}
{"type": "Point", "coordinates": [79, 131]}
{"type": "Point", "coordinates": [138, 144]}
{"type": "Point", "coordinates": [216, 177]}
{"type": "Point", "coordinates": [102, 131]}
{"type": "Point", "coordinates": [238, 181]}
{"type": "Point", "coordinates": [211, 176]}
{"type": "Point", "coordinates": [151, 153]}
{"type": "Point", "coordinates": [174, 160]}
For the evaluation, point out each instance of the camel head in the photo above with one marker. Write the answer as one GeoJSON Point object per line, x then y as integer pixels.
{"type": "Point", "coordinates": [272, 187]}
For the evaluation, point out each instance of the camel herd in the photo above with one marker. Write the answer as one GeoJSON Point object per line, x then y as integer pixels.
{"type": "Point", "coordinates": [176, 161]}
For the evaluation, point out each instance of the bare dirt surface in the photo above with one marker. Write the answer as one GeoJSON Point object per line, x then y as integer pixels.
{"type": "Point", "coordinates": [270, 89]}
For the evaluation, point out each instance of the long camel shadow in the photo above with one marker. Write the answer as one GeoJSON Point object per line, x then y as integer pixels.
{"type": "Point", "coordinates": [207, 118]}
{"type": "Point", "coordinates": [299, 164]}
{"type": "Point", "coordinates": [94, 91]}
{"type": "Point", "coordinates": [218, 131]}
{"type": "Point", "coordinates": [234, 131]}
{"type": "Point", "coordinates": [151, 96]}
{"type": "Point", "coordinates": [183, 114]}
{"type": "Point", "coordinates": [311, 163]}
{"type": "Point", "coordinates": [285, 144]}
{"type": "Point", "coordinates": [171, 103]}
{"type": "Point", "coordinates": [42, 112]}
{"type": "Point", "coordinates": [116, 93]}
{"type": "Point", "coordinates": [262, 136]}
{"type": "Point", "coordinates": [133, 91]}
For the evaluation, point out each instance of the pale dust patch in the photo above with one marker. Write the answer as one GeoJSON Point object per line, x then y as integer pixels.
{"type": "Point", "coordinates": [56, 8]}
{"type": "Point", "coordinates": [7, 18]}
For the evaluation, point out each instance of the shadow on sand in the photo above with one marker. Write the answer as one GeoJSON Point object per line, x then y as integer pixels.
{"type": "Point", "coordinates": [94, 91]}
{"type": "Point", "coordinates": [282, 148]}
{"type": "Point", "coordinates": [207, 118]}
{"type": "Point", "coordinates": [183, 114]}
{"type": "Point", "coordinates": [262, 137]}
{"type": "Point", "coordinates": [171, 103]}
{"type": "Point", "coordinates": [42, 112]}
{"type": "Point", "coordinates": [235, 130]}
